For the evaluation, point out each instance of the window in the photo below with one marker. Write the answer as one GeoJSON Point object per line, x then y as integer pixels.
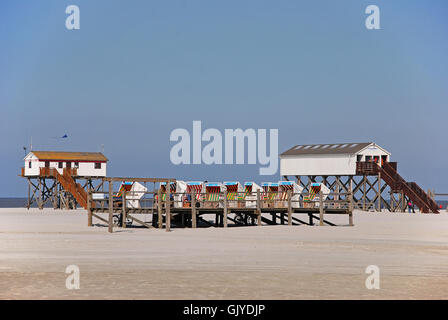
{"type": "Point", "coordinates": [97, 165]}
{"type": "Point", "coordinates": [29, 164]}
{"type": "Point", "coordinates": [47, 164]}
{"type": "Point", "coordinates": [358, 157]}
{"type": "Point", "coordinates": [76, 164]}
{"type": "Point", "coordinates": [68, 164]}
{"type": "Point", "coordinates": [60, 165]}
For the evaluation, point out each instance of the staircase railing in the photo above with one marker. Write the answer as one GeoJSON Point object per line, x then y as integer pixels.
{"type": "Point", "coordinates": [411, 189]}
{"type": "Point", "coordinates": [390, 175]}
{"type": "Point", "coordinates": [67, 182]}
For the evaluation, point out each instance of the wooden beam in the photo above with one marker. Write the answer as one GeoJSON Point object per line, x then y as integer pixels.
{"type": "Point", "coordinates": [130, 179]}
{"type": "Point", "coordinates": [326, 221]}
{"type": "Point", "coordinates": [100, 218]}
{"type": "Point", "coordinates": [140, 221]}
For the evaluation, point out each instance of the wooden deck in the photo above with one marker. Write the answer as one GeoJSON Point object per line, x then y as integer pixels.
{"type": "Point", "coordinates": [188, 210]}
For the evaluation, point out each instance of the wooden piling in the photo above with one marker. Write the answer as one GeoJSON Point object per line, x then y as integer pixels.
{"type": "Point", "coordinates": [321, 208]}
{"type": "Point", "coordinates": [364, 193]}
{"type": "Point", "coordinates": [54, 198]}
{"type": "Point", "coordinates": [102, 190]}
{"type": "Point", "coordinates": [225, 209]}
{"type": "Point", "coordinates": [111, 207]}
{"type": "Point", "coordinates": [89, 208]}
{"type": "Point", "coordinates": [193, 209]}
{"type": "Point", "coordinates": [379, 192]}
{"type": "Point", "coordinates": [168, 207]}
{"type": "Point", "coordinates": [29, 194]}
{"type": "Point", "coordinates": [159, 209]}
{"type": "Point", "coordinates": [350, 205]}
{"type": "Point", "coordinates": [289, 209]}
{"type": "Point", "coordinates": [258, 208]}
{"type": "Point", "coordinates": [123, 211]}
{"type": "Point", "coordinates": [40, 202]}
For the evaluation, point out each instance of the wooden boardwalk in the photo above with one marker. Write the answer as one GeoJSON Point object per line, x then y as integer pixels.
{"type": "Point", "coordinates": [167, 210]}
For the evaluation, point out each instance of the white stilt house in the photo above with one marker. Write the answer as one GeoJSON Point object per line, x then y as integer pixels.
{"type": "Point", "coordinates": [87, 164]}
{"type": "Point", "coordinates": [329, 159]}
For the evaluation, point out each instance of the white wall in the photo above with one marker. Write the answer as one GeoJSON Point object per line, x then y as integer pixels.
{"type": "Point", "coordinates": [321, 164]}
{"type": "Point", "coordinates": [326, 164]}
{"type": "Point", "coordinates": [373, 151]}
{"type": "Point", "coordinates": [34, 170]}
{"type": "Point", "coordinates": [85, 168]}
{"type": "Point", "coordinates": [88, 169]}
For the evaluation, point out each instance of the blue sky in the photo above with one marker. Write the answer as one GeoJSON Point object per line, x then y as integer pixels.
{"type": "Point", "coordinates": [137, 70]}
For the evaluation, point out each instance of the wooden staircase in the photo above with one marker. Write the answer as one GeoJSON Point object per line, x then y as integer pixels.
{"type": "Point", "coordinates": [68, 183]}
{"type": "Point", "coordinates": [397, 184]}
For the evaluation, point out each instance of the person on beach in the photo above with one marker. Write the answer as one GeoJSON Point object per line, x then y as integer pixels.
{"type": "Point", "coordinates": [411, 207]}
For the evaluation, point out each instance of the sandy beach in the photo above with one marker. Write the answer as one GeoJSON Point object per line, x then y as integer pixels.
{"type": "Point", "coordinates": [267, 262]}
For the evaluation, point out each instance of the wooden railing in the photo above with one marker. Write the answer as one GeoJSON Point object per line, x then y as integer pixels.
{"type": "Point", "coordinates": [390, 175]}
{"type": "Point", "coordinates": [367, 167]}
{"type": "Point", "coordinates": [51, 172]}
{"type": "Point", "coordinates": [238, 200]}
